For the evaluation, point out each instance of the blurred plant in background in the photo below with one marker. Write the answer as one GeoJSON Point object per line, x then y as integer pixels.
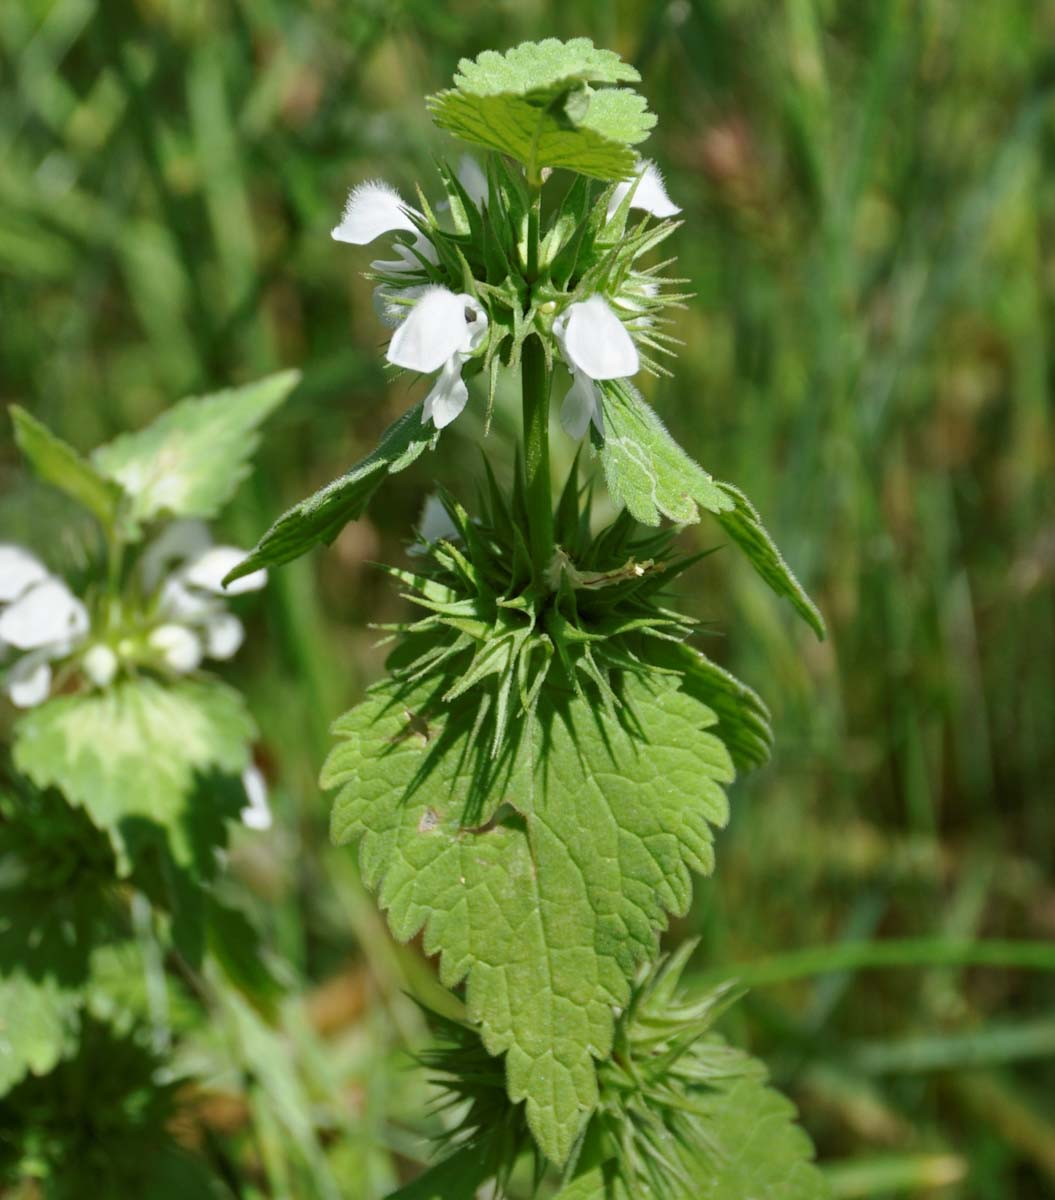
{"type": "Point", "coordinates": [869, 211]}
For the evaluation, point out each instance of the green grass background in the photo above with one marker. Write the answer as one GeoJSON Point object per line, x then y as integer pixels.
{"type": "Point", "coordinates": [869, 205]}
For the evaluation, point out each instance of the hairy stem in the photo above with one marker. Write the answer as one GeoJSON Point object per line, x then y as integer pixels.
{"type": "Point", "coordinates": [535, 383]}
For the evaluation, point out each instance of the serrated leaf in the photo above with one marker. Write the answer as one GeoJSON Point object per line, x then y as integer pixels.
{"type": "Point", "coordinates": [130, 756]}
{"type": "Point", "coordinates": [652, 477]}
{"type": "Point", "coordinates": [743, 524]}
{"type": "Point", "coordinates": [646, 470]}
{"type": "Point", "coordinates": [547, 910]}
{"type": "Point", "coordinates": [320, 517]}
{"type": "Point", "coordinates": [190, 461]}
{"type": "Point", "coordinates": [56, 462]}
{"type": "Point", "coordinates": [536, 103]}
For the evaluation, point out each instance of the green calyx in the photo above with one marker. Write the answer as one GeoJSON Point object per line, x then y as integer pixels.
{"type": "Point", "coordinates": [495, 634]}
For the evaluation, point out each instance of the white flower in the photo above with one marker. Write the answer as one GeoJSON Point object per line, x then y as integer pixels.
{"type": "Point", "coordinates": [19, 570]}
{"type": "Point", "coordinates": [257, 813]}
{"type": "Point", "coordinates": [650, 195]}
{"type": "Point", "coordinates": [434, 525]}
{"type": "Point", "coordinates": [40, 616]}
{"type": "Point", "coordinates": [441, 331]}
{"type": "Point", "coordinates": [47, 614]}
{"type": "Point", "coordinates": [471, 176]}
{"type": "Point", "coordinates": [373, 209]}
{"type": "Point", "coordinates": [186, 572]}
{"type": "Point", "coordinates": [595, 345]}
{"type": "Point", "coordinates": [99, 663]}
{"type": "Point", "coordinates": [180, 648]}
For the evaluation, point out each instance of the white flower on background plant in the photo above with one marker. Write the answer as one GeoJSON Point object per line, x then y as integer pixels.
{"type": "Point", "coordinates": [595, 346]}
{"type": "Point", "coordinates": [650, 194]}
{"type": "Point", "coordinates": [440, 332]}
{"type": "Point", "coordinates": [186, 572]}
{"type": "Point", "coordinates": [40, 621]}
{"type": "Point", "coordinates": [257, 813]}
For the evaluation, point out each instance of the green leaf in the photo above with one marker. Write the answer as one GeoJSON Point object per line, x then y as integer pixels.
{"type": "Point", "coordinates": [536, 103]}
{"type": "Point", "coordinates": [131, 755]}
{"type": "Point", "coordinates": [320, 517]}
{"type": "Point", "coordinates": [547, 905]}
{"type": "Point", "coordinates": [56, 462]}
{"type": "Point", "coordinates": [651, 475]}
{"type": "Point", "coordinates": [190, 461]}
{"type": "Point", "coordinates": [744, 526]}
{"type": "Point", "coordinates": [37, 1022]}
{"type": "Point", "coordinates": [647, 472]}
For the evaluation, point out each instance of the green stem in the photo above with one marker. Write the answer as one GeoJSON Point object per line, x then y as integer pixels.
{"type": "Point", "coordinates": [535, 384]}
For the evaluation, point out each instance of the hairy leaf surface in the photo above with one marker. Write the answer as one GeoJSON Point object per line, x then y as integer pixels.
{"type": "Point", "coordinates": [321, 517]}
{"type": "Point", "coordinates": [546, 899]}
{"type": "Point", "coordinates": [536, 103]}
{"type": "Point", "coordinates": [189, 462]}
{"type": "Point", "coordinates": [652, 477]}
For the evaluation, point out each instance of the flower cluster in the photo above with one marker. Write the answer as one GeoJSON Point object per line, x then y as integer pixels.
{"type": "Point", "coordinates": [438, 329]}
{"type": "Point", "coordinates": [171, 617]}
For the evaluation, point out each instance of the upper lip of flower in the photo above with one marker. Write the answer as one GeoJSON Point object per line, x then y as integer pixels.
{"type": "Point", "coordinates": [594, 341]}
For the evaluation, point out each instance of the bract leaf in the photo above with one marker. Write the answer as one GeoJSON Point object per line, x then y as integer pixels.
{"type": "Point", "coordinates": [58, 463]}
{"type": "Point", "coordinates": [320, 517]}
{"type": "Point", "coordinates": [652, 476]}
{"type": "Point", "coordinates": [189, 461]}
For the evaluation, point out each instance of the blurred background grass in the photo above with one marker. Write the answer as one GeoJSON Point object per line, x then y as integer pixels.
{"type": "Point", "coordinates": [870, 232]}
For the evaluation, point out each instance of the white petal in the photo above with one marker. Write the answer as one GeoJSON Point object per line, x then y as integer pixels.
{"type": "Point", "coordinates": [448, 396]}
{"type": "Point", "coordinates": [408, 260]}
{"type": "Point", "coordinates": [99, 663]}
{"type": "Point", "coordinates": [372, 209]}
{"type": "Point", "coordinates": [580, 404]}
{"type": "Point", "coordinates": [650, 195]}
{"type": "Point", "coordinates": [48, 612]}
{"type": "Point", "coordinates": [439, 325]}
{"type": "Point", "coordinates": [257, 813]}
{"type": "Point", "coordinates": [178, 542]}
{"type": "Point", "coordinates": [178, 646]}
{"type": "Point", "coordinates": [180, 603]}
{"type": "Point", "coordinates": [435, 521]}
{"type": "Point", "coordinates": [29, 681]}
{"type": "Point", "coordinates": [224, 634]}
{"type": "Point", "coordinates": [208, 570]}
{"type": "Point", "coordinates": [471, 176]}
{"type": "Point", "coordinates": [19, 570]}
{"type": "Point", "coordinates": [596, 342]}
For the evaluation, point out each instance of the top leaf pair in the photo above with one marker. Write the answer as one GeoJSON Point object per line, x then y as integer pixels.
{"type": "Point", "coordinates": [539, 103]}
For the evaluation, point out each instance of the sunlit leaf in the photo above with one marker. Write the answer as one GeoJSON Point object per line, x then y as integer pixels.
{"type": "Point", "coordinates": [189, 462]}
